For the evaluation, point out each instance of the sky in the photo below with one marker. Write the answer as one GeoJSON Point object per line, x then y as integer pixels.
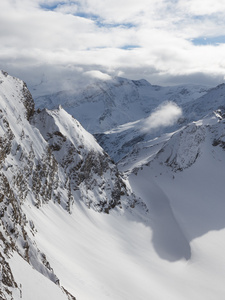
{"type": "Point", "coordinates": [55, 45]}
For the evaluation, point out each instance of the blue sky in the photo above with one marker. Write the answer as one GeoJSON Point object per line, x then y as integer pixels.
{"type": "Point", "coordinates": [163, 41]}
{"type": "Point", "coordinates": [214, 41]}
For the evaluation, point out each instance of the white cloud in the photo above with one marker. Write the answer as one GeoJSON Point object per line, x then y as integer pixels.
{"type": "Point", "coordinates": [200, 8]}
{"type": "Point", "coordinates": [98, 35]}
{"type": "Point", "coordinates": [97, 75]}
{"type": "Point", "coordinates": [165, 115]}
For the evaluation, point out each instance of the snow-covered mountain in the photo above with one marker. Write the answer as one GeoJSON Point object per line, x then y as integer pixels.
{"type": "Point", "coordinates": [46, 156]}
{"type": "Point", "coordinates": [116, 110]}
{"type": "Point", "coordinates": [74, 224]}
{"type": "Point", "coordinates": [123, 139]}
{"type": "Point", "coordinates": [187, 168]}
{"type": "Point", "coordinates": [106, 104]}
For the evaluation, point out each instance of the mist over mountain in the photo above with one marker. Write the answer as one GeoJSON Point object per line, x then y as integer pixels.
{"type": "Point", "coordinates": [135, 211]}
{"type": "Point", "coordinates": [104, 105]}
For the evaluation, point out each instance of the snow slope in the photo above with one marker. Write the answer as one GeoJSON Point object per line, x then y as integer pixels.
{"type": "Point", "coordinates": [213, 100]}
{"type": "Point", "coordinates": [188, 172]}
{"type": "Point", "coordinates": [174, 249]}
{"type": "Point", "coordinates": [21, 150]}
{"type": "Point", "coordinates": [46, 157]}
{"type": "Point", "coordinates": [32, 284]}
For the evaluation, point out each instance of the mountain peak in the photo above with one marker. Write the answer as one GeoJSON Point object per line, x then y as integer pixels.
{"type": "Point", "coordinates": [16, 89]}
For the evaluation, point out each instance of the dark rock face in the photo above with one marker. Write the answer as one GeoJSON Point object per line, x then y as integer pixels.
{"type": "Point", "coordinates": [7, 279]}
{"type": "Point", "coordinates": [27, 101]}
{"type": "Point", "coordinates": [6, 138]}
{"type": "Point", "coordinates": [14, 233]}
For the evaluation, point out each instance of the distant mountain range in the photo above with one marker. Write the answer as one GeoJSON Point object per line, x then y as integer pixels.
{"type": "Point", "coordinates": [104, 105]}
{"type": "Point", "coordinates": [115, 111]}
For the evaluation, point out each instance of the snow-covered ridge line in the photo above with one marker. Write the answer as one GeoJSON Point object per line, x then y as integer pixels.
{"type": "Point", "coordinates": [93, 177]}
{"type": "Point", "coordinates": [22, 151]}
{"type": "Point", "coordinates": [47, 156]}
{"type": "Point", "coordinates": [177, 150]}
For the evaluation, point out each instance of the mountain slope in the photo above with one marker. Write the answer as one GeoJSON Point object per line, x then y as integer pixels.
{"type": "Point", "coordinates": [189, 168]}
{"type": "Point", "coordinates": [151, 227]}
{"type": "Point", "coordinates": [46, 157]}
{"type": "Point", "coordinates": [17, 180]}
{"type": "Point", "coordinates": [213, 100]}
{"type": "Point", "coordinates": [174, 249]}
{"type": "Point", "coordinates": [93, 178]}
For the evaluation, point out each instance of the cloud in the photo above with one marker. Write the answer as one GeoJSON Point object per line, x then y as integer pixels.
{"type": "Point", "coordinates": [96, 36]}
{"type": "Point", "coordinates": [97, 75]}
{"type": "Point", "coordinates": [201, 8]}
{"type": "Point", "coordinates": [165, 115]}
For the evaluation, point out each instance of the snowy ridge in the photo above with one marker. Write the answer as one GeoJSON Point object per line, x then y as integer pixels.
{"type": "Point", "coordinates": [17, 167]}
{"type": "Point", "coordinates": [90, 173]}
{"type": "Point", "coordinates": [183, 148]}
{"type": "Point", "coordinates": [178, 150]}
{"type": "Point", "coordinates": [52, 160]}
